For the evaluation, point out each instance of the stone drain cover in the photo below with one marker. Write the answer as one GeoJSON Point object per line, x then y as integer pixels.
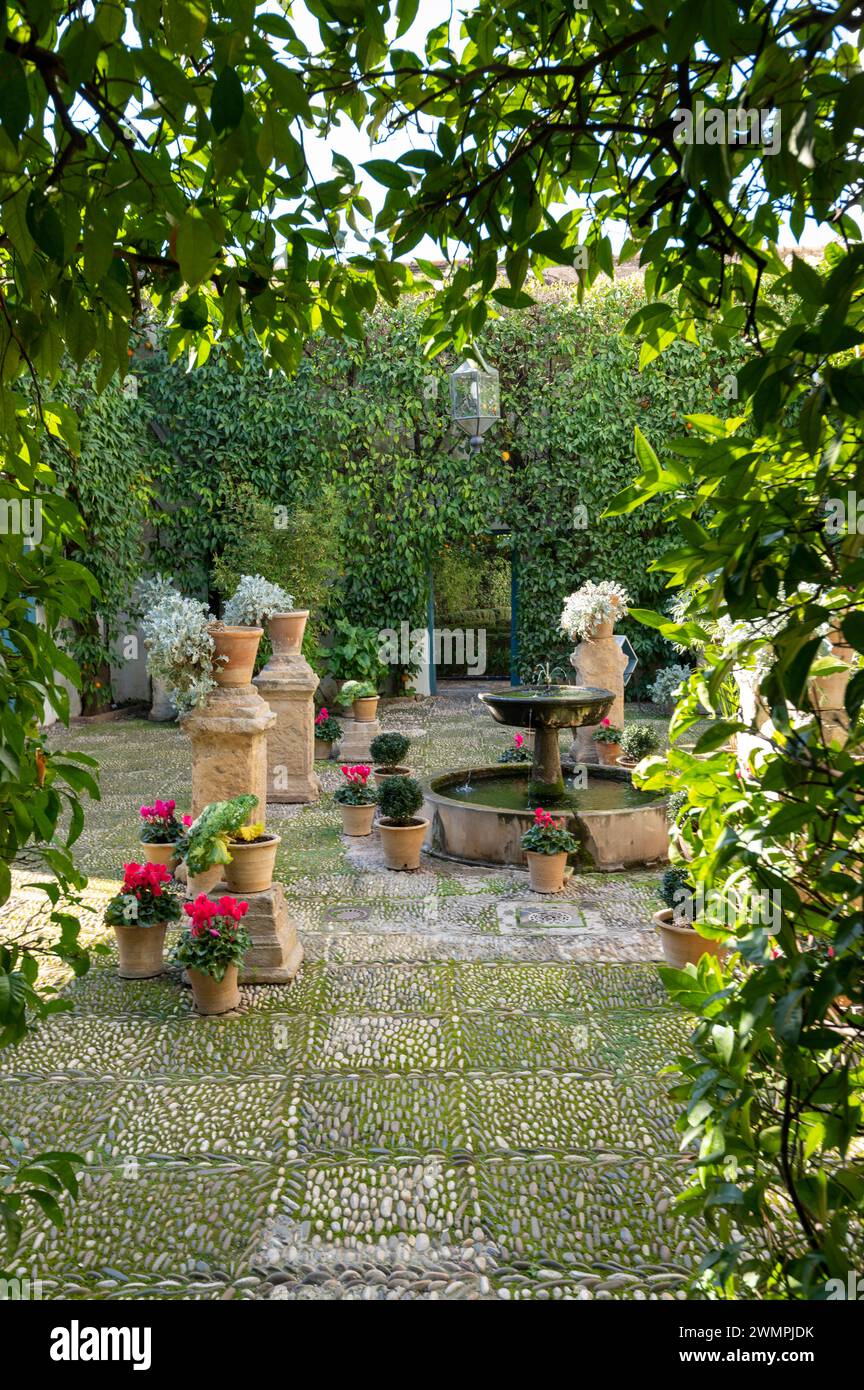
{"type": "Point", "coordinates": [348, 914]}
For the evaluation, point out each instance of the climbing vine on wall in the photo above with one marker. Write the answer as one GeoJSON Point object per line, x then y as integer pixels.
{"type": "Point", "coordinates": [111, 485]}
{"type": "Point", "coordinates": [372, 419]}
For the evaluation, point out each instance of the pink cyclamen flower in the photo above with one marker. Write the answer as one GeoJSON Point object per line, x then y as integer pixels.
{"type": "Point", "coordinates": [187, 820]}
{"type": "Point", "coordinates": [518, 739]}
{"type": "Point", "coordinates": [606, 722]}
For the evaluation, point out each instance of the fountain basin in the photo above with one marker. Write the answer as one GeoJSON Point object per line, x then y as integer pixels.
{"type": "Point", "coordinates": [548, 706]}
{"type": "Point", "coordinates": [618, 826]}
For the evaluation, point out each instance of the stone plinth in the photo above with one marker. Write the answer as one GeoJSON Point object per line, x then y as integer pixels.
{"type": "Point", "coordinates": [288, 685]}
{"type": "Point", "coordinates": [229, 755]}
{"type": "Point", "coordinates": [598, 661]}
{"type": "Point", "coordinates": [276, 951]}
{"type": "Point", "coordinates": [357, 734]}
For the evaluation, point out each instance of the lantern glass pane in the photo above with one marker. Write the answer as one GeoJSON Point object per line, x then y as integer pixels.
{"type": "Point", "coordinates": [465, 395]}
{"type": "Point", "coordinates": [489, 395]}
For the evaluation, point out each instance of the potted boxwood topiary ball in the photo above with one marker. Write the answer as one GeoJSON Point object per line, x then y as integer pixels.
{"type": "Point", "coordinates": [402, 830]}
{"type": "Point", "coordinates": [682, 944]}
{"type": "Point", "coordinates": [638, 741]}
{"type": "Point", "coordinates": [387, 751]}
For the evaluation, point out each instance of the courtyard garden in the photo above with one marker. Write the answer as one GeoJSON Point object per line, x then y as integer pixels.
{"type": "Point", "coordinates": [431, 659]}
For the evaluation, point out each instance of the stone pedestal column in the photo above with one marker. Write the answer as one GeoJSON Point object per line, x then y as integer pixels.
{"type": "Point", "coordinates": [357, 734]}
{"type": "Point", "coordinates": [288, 685]}
{"type": "Point", "coordinates": [827, 695]}
{"type": "Point", "coordinates": [229, 755]}
{"type": "Point", "coordinates": [598, 661]}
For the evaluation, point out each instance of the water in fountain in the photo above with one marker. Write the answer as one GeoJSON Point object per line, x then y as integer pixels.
{"type": "Point", "coordinates": [511, 792]}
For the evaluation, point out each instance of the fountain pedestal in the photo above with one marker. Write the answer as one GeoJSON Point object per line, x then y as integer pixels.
{"type": "Point", "coordinates": [598, 661]}
{"type": "Point", "coordinates": [547, 781]}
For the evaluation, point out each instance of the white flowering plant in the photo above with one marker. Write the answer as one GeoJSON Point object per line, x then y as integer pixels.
{"type": "Point", "coordinates": [254, 601]}
{"type": "Point", "coordinates": [592, 605]}
{"type": "Point", "coordinates": [666, 682]}
{"type": "Point", "coordinates": [179, 645]}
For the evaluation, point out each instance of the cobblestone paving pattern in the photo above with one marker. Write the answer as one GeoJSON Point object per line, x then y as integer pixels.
{"type": "Point", "coordinates": [458, 1098]}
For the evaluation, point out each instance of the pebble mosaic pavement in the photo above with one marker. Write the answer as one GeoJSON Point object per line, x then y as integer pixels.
{"type": "Point", "coordinates": [458, 1098]}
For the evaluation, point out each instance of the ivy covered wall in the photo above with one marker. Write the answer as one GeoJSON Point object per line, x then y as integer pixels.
{"type": "Point", "coordinates": [373, 420]}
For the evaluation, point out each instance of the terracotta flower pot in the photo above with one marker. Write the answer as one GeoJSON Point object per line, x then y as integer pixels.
{"type": "Point", "coordinates": [379, 773]}
{"type": "Point", "coordinates": [160, 854]}
{"type": "Point", "coordinates": [357, 820]}
{"type": "Point", "coordinates": [215, 996]}
{"type": "Point", "coordinates": [608, 753]}
{"type": "Point", "coordinates": [286, 631]}
{"type": "Point", "coordinates": [240, 645]}
{"type": "Point", "coordinates": [323, 748]}
{"type": "Point", "coordinates": [683, 945]}
{"type": "Point", "coordinates": [140, 950]}
{"type": "Point", "coordinates": [627, 762]}
{"type": "Point", "coordinates": [601, 631]}
{"type": "Point", "coordinates": [365, 709]}
{"type": "Point", "coordinates": [546, 871]}
{"type": "Point", "coordinates": [402, 843]}
{"type": "Point", "coordinates": [251, 867]}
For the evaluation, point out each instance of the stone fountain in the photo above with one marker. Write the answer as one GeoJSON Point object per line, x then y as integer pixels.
{"type": "Point", "coordinates": [478, 815]}
{"type": "Point", "coordinates": [545, 710]}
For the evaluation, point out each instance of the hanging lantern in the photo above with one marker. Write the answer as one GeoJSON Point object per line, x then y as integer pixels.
{"type": "Point", "coordinates": [475, 397]}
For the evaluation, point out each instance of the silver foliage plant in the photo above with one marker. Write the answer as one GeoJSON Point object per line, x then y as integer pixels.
{"type": "Point", "coordinates": [179, 646]}
{"type": "Point", "coordinates": [666, 683]}
{"type": "Point", "coordinates": [592, 605]}
{"type": "Point", "coordinates": [254, 601]}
